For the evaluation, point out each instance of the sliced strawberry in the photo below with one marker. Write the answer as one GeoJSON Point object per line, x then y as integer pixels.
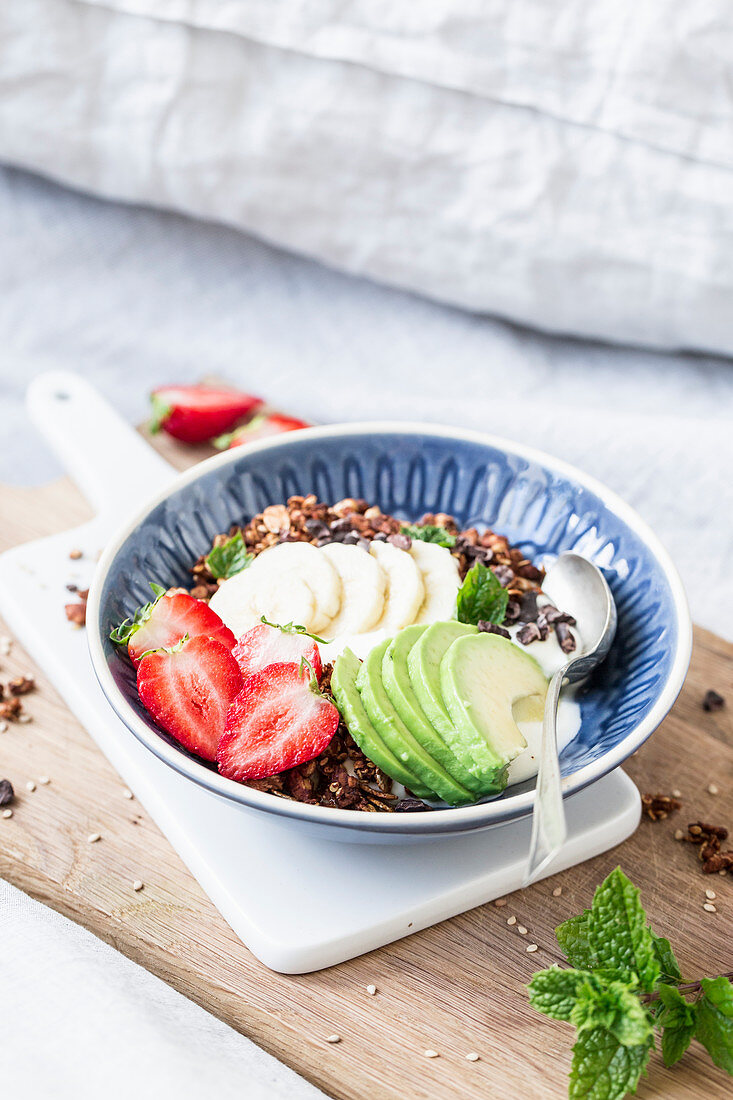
{"type": "Point", "coordinates": [197, 413]}
{"type": "Point", "coordinates": [188, 691]}
{"type": "Point", "coordinates": [162, 623]}
{"type": "Point", "coordinates": [259, 428]}
{"type": "Point", "coordinates": [265, 645]}
{"type": "Point", "coordinates": [277, 721]}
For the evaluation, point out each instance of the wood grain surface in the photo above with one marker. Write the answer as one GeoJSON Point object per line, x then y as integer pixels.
{"type": "Point", "coordinates": [455, 988]}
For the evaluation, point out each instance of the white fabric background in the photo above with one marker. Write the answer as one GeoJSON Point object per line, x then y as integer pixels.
{"type": "Point", "coordinates": [561, 164]}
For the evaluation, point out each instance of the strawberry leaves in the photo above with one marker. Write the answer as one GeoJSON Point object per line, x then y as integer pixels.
{"type": "Point", "coordinates": [624, 982]}
{"type": "Point", "coordinates": [123, 632]}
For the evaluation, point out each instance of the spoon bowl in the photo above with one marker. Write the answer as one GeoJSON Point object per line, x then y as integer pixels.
{"type": "Point", "coordinates": [577, 585]}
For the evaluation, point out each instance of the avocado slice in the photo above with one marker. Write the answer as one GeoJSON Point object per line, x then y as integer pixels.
{"type": "Point", "coordinates": [482, 676]}
{"type": "Point", "coordinates": [397, 684]}
{"type": "Point", "coordinates": [397, 736]}
{"type": "Point", "coordinates": [423, 665]}
{"type": "Point", "coordinates": [348, 701]}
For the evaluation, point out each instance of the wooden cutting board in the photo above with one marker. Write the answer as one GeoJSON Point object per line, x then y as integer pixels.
{"type": "Point", "coordinates": [455, 988]}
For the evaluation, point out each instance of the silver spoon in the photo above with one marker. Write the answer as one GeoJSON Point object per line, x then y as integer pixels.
{"type": "Point", "coordinates": [577, 586]}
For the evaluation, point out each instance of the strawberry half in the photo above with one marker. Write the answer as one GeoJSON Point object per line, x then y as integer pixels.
{"type": "Point", "coordinates": [277, 721]}
{"type": "Point", "coordinates": [265, 645]}
{"type": "Point", "coordinates": [194, 414]}
{"type": "Point", "coordinates": [259, 428]}
{"type": "Point", "coordinates": [162, 623]}
{"type": "Point", "coordinates": [188, 691]}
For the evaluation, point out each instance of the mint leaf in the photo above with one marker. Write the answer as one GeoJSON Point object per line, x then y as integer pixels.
{"type": "Point", "coordinates": [668, 966]}
{"type": "Point", "coordinates": [555, 991]}
{"type": "Point", "coordinates": [572, 935]}
{"type": "Point", "coordinates": [229, 559]}
{"type": "Point", "coordinates": [122, 633]}
{"type": "Point", "coordinates": [714, 1021]}
{"type": "Point", "coordinates": [615, 1007]}
{"type": "Point", "coordinates": [429, 533]}
{"type": "Point", "coordinates": [677, 1018]}
{"type": "Point", "coordinates": [618, 933]}
{"type": "Point", "coordinates": [604, 1069]}
{"type": "Point", "coordinates": [481, 597]}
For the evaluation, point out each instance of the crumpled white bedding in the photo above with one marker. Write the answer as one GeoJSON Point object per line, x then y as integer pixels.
{"type": "Point", "coordinates": [561, 164]}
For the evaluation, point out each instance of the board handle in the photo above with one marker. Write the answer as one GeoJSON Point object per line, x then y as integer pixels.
{"type": "Point", "coordinates": [112, 465]}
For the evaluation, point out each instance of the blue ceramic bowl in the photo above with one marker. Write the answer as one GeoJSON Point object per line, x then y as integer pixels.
{"type": "Point", "coordinates": [543, 505]}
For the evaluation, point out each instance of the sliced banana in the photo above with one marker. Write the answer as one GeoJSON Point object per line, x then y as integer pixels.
{"type": "Point", "coordinates": [241, 601]}
{"type": "Point", "coordinates": [363, 584]}
{"type": "Point", "coordinates": [405, 589]}
{"type": "Point", "coordinates": [300, 559]}
{"type": "Point", "coordinates": [439, 571]}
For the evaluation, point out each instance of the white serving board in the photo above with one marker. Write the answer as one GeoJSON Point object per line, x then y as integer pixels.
{"type": "Point", "coordinates": [244, 860]}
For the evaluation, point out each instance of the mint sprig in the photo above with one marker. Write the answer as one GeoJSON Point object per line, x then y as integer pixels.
{"type": "Point", "coordinates": [428, 532]}
{"type": "Point", "coordinates": [481, 597]}
{"type": "Point", "coordinates": [623, 983]}
{"type": "Point", "coordinates": [121, 634]}
{"type": "Point", "coordinates": [230, 558]}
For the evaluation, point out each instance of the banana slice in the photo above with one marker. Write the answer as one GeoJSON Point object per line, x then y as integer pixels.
{"type": "Point", "coordinates": [439, 571]}
{"type": "Point", "coordinates": [241, 601]}
{"type": "Point", "coordinates": [300, 559]}
{"type": "Point", "coordinates": [405, 589]}
{"type": "Point", "coordinates": [363, 585]}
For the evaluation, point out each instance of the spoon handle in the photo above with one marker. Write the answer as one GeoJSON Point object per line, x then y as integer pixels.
{"type": "Point", "coordinates": [549, 828]}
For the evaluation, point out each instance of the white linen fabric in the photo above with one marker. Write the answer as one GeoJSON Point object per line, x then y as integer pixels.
{"type": "Point", "coordinates": [78, 1019]}
{"type": "Point", "coordinates": [561, 164]}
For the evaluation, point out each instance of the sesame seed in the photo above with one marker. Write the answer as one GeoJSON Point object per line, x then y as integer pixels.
{"type": "Point", "coordinates": [30, 785]}
{"type": "Point", "coordinates": [522, 930]}
{"type": "Point", "coordinates": [679, 835]}
{"type": "Point", "coordinates": [44, 780]}
{"type": "Point", "coordinates": [676, 793]}
{"type": "Point", "coordinates": [333, 1038]}
{"type": "Point", "coordinates": [7, 813]}
{"type": "Point", "coordinates": [532, 947]}
{"type": "Point", "coordinates": [500, 902]}
{"type": "Point", "coordinates": [511, 920]}
{"type": "Point", "coordinates": [93, 838]}
{"type": "Point", "coordinates": [709, 907]}
{"type": "Point", "coordinates": [472, 1057]}
{"type": "Point", "coordinates": [74, 554]}
{"type": "Point", "coordinates": [137, 885]}
{"type": "Point", "coordinates": [371, 990]}
{"type": "Point", "coordinates": [710, 895]}
{"type": "Point", "coordinates": [712, 789]}
{"type": "Point", "coordinates": [557, 891]}
{"type": "Point", "coordinates": [431, 1054]}
{"type": "Point", "coordinates": [127, 793]}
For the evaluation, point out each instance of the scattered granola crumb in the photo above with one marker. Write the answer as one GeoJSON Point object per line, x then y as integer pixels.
{"type": "Point", "coordinates": [127, 793]}
{"type": "Point", "coordinates": [500, 902]}
{"type": "Point", "coordinates": [511, 920]}
{"type": "Point", "coordinates": [659, 806]}
{"type": "Point", "coordinates": [531, 947]}
{"type": "Point", "coordinates": [708, 838]}
{"type": "Point", "coordinates": [431, 1054]}
{"type": "Point", "coordinates": [472, 1057]}
{"type": "Point", "coordinates": [93, 838]}
{"type": "Point", "coordinates": [557, 891]}
{"type": "Point", "coordinates": [44, 780]}
{"type": "Point", "coordinates": [371, 990]}
{"type": "Point", "coordinates": [75, 554]}
{"type": "Point", "coordinates": [30, 785]}
{"type": "Point", "coordinates": [712, 788]}
{"type": "Point", "coordinates": [712, 701]}
{"type": "Point", "coordinates": [709, 907]}
{"type": "Point", "coordinates": [25, 717]}
{"type": "Point", "coordinates": [7, 794]}
{"type": "Point", "coordinates": [522, 930]}
{"type": "Point", "coordinates": [21, 685]}
{"type": "Point", "coordinates": [137, 885]}
{"type": "Point", "coordinates": [7, 813]}
{"type": "Point", "coordinates": [5, 645]}
{"type": "Point", "coordinates": [710, 895]}
{"type": "Point", "coordinates": [10, 709]}
{"type": "Point", "coordinates": [333, 1038]}
{"type": "Point", "coordinates": [3, 727]}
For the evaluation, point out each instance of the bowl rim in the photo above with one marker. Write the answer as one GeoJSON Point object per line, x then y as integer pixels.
{"type": "Point", "coordinates": [454, 819]}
